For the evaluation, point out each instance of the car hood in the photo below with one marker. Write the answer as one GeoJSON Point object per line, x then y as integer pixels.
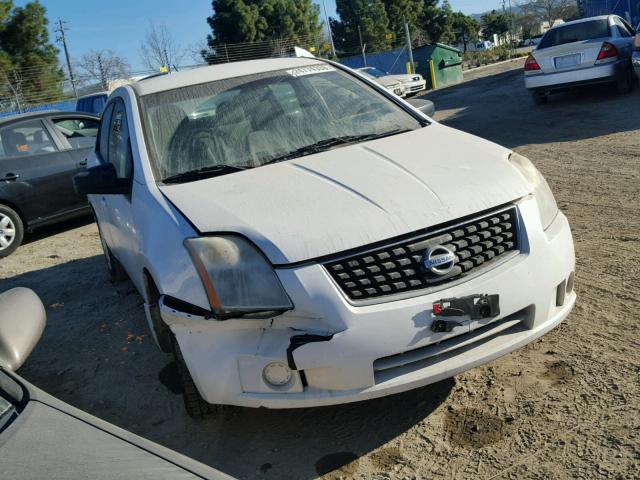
{"type": "Point", "coordinates": [388, 82]}
{"type": "Point", "coordinates": [406, 78]}
{"type": "Point", "coordinates": [46, 442]}
{"type": "Point", "coordinates": [353, 196]}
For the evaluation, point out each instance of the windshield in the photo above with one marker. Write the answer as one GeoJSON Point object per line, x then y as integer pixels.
{"type": "Point", "coordinates": [245, 122]}
{"type": "Point", "coordinates": [374, 72]}
{"type": "Point", "coordinates": [576, 32]}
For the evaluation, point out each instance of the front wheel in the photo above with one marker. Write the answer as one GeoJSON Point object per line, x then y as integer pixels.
{"type": "Point", "coordinates": [11, 231]}
{"type": "Point", "coordinates": [196, 406]}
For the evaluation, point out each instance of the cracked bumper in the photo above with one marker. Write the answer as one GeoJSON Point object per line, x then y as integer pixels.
{"type": "Point", "coordinates": [380, 349]}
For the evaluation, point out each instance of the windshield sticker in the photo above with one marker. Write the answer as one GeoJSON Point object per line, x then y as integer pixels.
{"type": "Point", "coordinates": [311, 70]}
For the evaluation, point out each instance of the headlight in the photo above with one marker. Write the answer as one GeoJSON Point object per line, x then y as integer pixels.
{"type": "Point", "coordinates": [544, 196]}
{"type": "Point", "coordinates": [238, 279]}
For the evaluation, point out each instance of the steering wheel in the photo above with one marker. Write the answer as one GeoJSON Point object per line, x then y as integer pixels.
{"type": "Point", "coordinates": [198, 145]}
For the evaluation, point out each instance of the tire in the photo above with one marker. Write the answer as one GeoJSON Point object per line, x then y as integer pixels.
{"type": "Point", "coordinates": [539, 98]}
{"type": "Point", "coordinates": [11, 231]}
{"type": "Point", "coordinates": [196, 406]}
{"type": "Point", "coordinates": [116, 271]}
{"type": "Point", "coordinates": [625, 82]}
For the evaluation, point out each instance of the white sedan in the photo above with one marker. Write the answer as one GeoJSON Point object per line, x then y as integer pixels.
{"type": "Point", "coordinates": [316, 240]}
{"type": "Point", "coordinates": [412, 83]}
{"type": "Point", "coordinates": [582, 52]}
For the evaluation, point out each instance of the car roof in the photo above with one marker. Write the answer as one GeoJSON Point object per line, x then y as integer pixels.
{"type": "Point", "coordinates": [212, 73]}
{"type": "Point", "coordinates": [43, 114]}
{"type": "Point", "coordinates": [96, 94]}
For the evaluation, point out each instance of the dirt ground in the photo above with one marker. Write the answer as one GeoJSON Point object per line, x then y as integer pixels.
{"type": "Point", "coordinates": [563, 407]}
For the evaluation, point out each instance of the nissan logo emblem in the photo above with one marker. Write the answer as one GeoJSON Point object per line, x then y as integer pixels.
{"type": "Point", "coordinates": [439, 260]}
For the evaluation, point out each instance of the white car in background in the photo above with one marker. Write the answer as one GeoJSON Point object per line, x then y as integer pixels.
{"type": "Point", "coordinates": [583, 52]}
{"type": "Point", "coordinates": [316, 240]}
{"type": "Point", "coordinates": [392, 84]}
{"type": "Point", "coordinates": [412, 83]}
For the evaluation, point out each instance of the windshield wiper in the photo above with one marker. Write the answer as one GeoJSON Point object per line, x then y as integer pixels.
{"type": "Point", "coordinates": [328, 143]}
{"type": "Point", "coordinates": [205, 172]}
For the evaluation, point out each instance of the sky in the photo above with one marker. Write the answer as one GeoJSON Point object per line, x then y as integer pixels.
{"type": "Point", "coordinates": [120, 25]}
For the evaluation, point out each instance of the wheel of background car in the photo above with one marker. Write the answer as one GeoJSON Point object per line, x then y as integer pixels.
{"type": "Point", "coordinates": [540, 98]}
{"type": "Point", "coordinates": [196, 406]}
{"type": "Point", "coordinates": [11, 231]}
{"type": "Point", "coordinates": [116, 271]}
{"type": "Point", "coordinates": [625, 83]}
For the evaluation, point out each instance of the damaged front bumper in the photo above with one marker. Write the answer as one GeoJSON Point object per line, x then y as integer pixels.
{"type": "Point", "coordinates": [340, 352]}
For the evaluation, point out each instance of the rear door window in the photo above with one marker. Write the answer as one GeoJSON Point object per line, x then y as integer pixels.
{"type": "Point", "coordinates": [26, 138]}
{"type": "Point", "coordinates": [576, 32]}
{"type": "Point", "coordinates": [79, 132]}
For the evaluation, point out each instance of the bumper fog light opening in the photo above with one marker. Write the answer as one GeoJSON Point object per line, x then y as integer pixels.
{"type": "Point", "coordinates": [277, 374]}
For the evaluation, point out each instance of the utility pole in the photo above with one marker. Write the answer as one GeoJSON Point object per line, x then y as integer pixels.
{"type": "Point", "coordinates": [362, 47]}
{"type": "Point", "coordinates": [63, 38]}
{"type": "Point", "coordinates": [333, 47]}
{"type": "Point", "coordinates": [409, 47]}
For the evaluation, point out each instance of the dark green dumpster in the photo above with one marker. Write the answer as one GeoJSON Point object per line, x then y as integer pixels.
{"type": "Point", "coordinates": [443, 64]}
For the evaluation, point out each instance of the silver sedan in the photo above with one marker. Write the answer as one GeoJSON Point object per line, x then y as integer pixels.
{"type": "Point", "coordinates": [585, 51]}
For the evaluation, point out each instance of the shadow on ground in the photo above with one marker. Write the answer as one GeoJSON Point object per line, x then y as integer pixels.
{"type": "Point", "coordinates": [500, 109]}
{"type": "Point", "coordinates": [96, 354]}
{"type": "Point", "coordinates": [57, 228]}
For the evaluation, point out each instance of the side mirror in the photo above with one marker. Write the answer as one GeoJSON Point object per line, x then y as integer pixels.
{"type": "Point", "coordinates": [425, 106]}
{"type": "Point", "coordinates": [101, 180]}
{"type": "Point", "coordinates": [22, 320]}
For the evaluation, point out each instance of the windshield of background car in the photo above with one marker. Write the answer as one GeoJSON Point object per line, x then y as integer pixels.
{"type": "Point", "coordinates": [576, 32]}
{"type": "Point", "coordinates": [246, 122]}
{"type": "Point", "coordinates": [374, 72]}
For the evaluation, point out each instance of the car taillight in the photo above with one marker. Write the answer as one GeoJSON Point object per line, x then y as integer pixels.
{"type": "Point", "coordinates": [531, 64]}
{"type": "Point", "coordinates": [608, 50]}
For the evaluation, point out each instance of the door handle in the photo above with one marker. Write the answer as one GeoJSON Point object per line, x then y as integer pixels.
{"type": "Point", "coordinates": [83, 163]}
{"type": "Point", "coordinates": [11, 176]}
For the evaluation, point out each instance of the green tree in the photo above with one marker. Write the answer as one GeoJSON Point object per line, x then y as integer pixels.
{"type": "Point", "coordinates": [291, 19]}
{"type": "Point", "coordinates": [28, 60]}
{"type": "Point", "coordinates": [465, 29]}
{"type": "Point", "coordinates": [437, 21]}
{"type": "Point", "coordinates": [235, 21]}
{"type": "Point", "coordinates": [494, 23]}
{"type": "Point", "coordinates": [411, 10]}
{"type": "Point", "coordinates": [241, 21]}
{"type": "Point", "coordinates": [370, 16]}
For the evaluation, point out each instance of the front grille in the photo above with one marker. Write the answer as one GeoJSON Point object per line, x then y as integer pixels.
{"type": "Point", "coordinates": [399, 266]}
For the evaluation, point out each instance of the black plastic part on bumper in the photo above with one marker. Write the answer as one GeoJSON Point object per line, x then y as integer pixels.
{"type": "Point", "coordinates": [300, 340]}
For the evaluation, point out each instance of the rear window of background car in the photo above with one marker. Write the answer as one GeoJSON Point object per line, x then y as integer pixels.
{"type": "Point", "coordinates": [576, 32]}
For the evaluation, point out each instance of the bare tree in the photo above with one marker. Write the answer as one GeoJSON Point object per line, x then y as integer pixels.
{"type": "Point", "coordinates": [551, 10]}
{"type": "Point", "coordinates": [159, 50]}
{"type": "Point", "coordinates": [198, 51]}
{"type": "Point", "coordinates": [104, 65]}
